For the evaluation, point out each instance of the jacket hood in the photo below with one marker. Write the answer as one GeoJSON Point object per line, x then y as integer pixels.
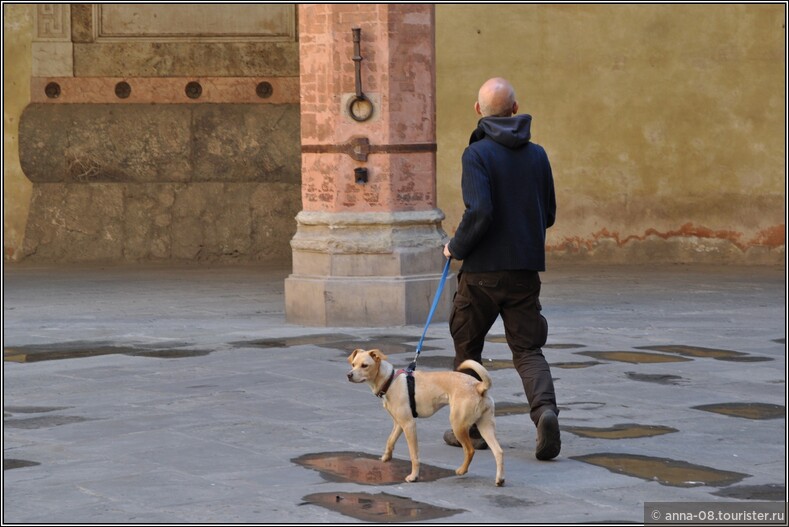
{"type": "Point", "coordinates": [512, 132]}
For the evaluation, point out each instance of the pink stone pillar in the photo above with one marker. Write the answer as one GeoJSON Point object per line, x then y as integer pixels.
{"type": "Point", "coordinates": [367, 253]}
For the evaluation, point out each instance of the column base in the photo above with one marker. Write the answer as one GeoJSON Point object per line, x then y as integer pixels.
{"type": "Point", "coordinates": [367, 269]}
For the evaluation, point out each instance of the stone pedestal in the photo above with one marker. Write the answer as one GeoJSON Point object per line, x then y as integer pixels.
{"type": "Point", "coordinates": [365, 269]}
{"type": "Point", "coordinates": [367, 252]}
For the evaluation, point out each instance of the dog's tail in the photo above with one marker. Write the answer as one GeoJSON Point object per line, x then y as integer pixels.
{"type": "Point", "coordinates": [480, 370]}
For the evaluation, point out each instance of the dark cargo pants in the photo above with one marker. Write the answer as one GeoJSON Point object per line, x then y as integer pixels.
{"type": "Point", "coordinates": [515, 295]}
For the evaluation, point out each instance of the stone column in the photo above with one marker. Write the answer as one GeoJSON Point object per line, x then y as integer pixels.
{"type": "Point", "coordinates": [367, 253]}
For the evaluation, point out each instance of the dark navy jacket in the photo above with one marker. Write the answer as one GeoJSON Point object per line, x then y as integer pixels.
{"type": "Point", "coordinates": [508, 191]}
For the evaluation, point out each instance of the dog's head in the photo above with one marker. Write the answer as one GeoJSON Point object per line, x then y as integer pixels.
{"type": "Point", "coordinates": [365, 365]}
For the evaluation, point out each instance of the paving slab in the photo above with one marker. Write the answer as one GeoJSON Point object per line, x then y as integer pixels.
{"type": "Point", "coordinates": [160, 394]}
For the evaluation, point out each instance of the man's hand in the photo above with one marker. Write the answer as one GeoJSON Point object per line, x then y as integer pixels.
{"type": "Point", "coordinates": [446, 251]}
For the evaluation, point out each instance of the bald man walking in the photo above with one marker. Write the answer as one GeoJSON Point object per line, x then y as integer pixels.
{"type": "Point", "coordinates": [508, 191]}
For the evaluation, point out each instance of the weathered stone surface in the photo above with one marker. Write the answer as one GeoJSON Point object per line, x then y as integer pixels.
{"type": "Point", "coordinates": [52, 59]}
{"type": "Point", "coordinates": [170, 40]}
{"type": "Point", "coordinates": [131, 222]}
{"type": "Point", "coordinates": [246, 143]}
{"type": "Point", "coordinates": [161, 182]}
{"type": "Point", "coordinates": [168, 59]}
{"type": "Point", "coordinates": [365, 301]}
{"type": "Point", "coordinates": [160, 143]}
{"type": "Point", "coordinates": [60, 229]}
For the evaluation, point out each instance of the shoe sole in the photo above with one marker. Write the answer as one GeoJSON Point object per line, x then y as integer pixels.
{"type": "Point", "coordinates": [477, 443]}
{"type": "Point", "coordinates": [551, 443]}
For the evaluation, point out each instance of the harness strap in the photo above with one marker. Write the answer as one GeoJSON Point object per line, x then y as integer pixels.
{"type": "Point", "coordinates": [409, 381]}
{"type": "Point", "coordinates": [411, 393]}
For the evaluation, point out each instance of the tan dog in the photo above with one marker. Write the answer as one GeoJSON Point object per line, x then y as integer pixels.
{"type": "Point", "coordinates": [466, 396]}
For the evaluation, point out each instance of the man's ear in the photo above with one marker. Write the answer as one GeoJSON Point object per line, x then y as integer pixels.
{"type": "Point", "coordinates": [477, 108]}
{"type": "Point", "coordinates": [350, 359]}
{"type": "Point", "coordinates": [515, 107]}
{"type": "Point", "coordinates": [378, 355]}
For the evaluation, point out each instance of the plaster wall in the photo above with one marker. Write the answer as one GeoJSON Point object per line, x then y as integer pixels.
{"type": "Point", "coordinates": [664, 124]}
{"type": "Point", "coordinates": [17, 62]}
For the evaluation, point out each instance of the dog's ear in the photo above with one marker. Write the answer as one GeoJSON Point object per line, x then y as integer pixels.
{"type": "Point", "coordinates": [350, 359]}
{"type": "Point", "coordinates": [378, 355]}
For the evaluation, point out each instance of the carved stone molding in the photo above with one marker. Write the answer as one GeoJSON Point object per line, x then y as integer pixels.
{"type": "Point", "coordinates": [53, 23]}
{"type": "Point", "coordinates": [52, 48]}
{"type": "Point", "coordinates": [186, 22]}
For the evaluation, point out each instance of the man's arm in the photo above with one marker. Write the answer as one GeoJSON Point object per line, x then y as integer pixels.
{"type": "Point", "coordinates": [479, 208]}
{"type": "Point", "coordinates": [551, 199]}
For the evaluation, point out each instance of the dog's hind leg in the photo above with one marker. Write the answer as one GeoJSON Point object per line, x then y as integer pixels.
{"type": "Point", "coordinates": [487, 429]}
{"type": "Point", "coordinates": [462, 435]}
{"type": "Point", "coordinates": [390, 443]}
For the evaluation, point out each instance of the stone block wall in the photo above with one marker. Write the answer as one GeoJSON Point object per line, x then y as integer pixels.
{"type": "Point", "coordinates": [170, 134]}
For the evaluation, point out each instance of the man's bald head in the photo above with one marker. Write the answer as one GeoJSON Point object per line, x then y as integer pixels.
{"type": "Point", "coordinates": [496, 98]}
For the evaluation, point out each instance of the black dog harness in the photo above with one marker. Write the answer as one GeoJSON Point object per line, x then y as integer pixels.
{"type": "Point", "coordinates": [411, 388]}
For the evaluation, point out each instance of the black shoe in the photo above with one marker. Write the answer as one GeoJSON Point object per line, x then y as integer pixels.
{"type": "Point", "coordinates": [549, 442]}
{"type": "Point", "coordinates": [476, 439]}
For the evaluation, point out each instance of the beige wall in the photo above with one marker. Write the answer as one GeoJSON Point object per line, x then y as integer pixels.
{"type": "Point", "coordinates": [17, 58]}
{"type": "Point", "coordinates": [664, 123]}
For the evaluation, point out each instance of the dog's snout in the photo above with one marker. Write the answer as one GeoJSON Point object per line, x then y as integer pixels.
{"type": "Point", "coordinates": [350, 375]}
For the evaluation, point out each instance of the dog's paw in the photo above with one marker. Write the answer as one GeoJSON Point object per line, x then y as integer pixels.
{"type": "Point", "coordinates": [386, 457]}
{"type": "Point", "coordinates": [411, 478]}
{"type": "Point", "coordinates": [461, 471]}
{"type": "Point", "coordinates": [500, 482]}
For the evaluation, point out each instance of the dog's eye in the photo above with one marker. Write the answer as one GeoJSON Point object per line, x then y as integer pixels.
{"type": "Point", "coordinates": [364, 365]}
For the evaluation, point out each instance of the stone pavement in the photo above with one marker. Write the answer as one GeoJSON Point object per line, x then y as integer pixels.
{"type": "Point", "coordinates": [180, 395]}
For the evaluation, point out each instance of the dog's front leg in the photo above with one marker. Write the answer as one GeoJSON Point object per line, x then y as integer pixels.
{"type": "Point", "coordinates": [413, 449]}
{"type": "Point", "coordinates": [390, 443]}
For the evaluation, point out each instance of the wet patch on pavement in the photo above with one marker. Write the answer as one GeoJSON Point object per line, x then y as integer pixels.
{"type": "Point", "coordinates": [574, 365]}
{"type": "Point", "coordinates": [620, 431]}
{"type": "Point", "coordinates": [324, 340]}
{"type": "Point", "coordinates": [33, 409]}
{"type": "Point", "coordinates": [769, 492]}
{"type": "Point", "coordinates": [381, 507]}
{"type": "Point", "coordinates": [502, 339]}
{"type": "Point", "coordinates": [668, 472]}
{"type": "Point", "coordinates": [445, 362]}
{"type": "Point", "coordinates": [79, 350]}
{"type": "Point", "coordinates": [366, 469]}
{"type": "Point", "coordinates": [633, 357]}
{"type": "Point", "coordinates": [11, 464]}
{"type": "Point", "coordinates": [707, 353]}
{"type": "Point", "coordinates": [497, 364]}
{"type": "Point", "coordinates": [42, 421]}
{"type": "Point", "coordinates": [389, 344]}
{"type": "Point", "coordinates": [745, 410]}
{"type": "Point", "coordinates": [47, 421]}
{"type": "Point", "coordinates": [503, 409]}
{"type": "Point", "coordinates": [582, 405]}
{"type": "Point", "coordinates": [441, 362]}
{"type": "Point", "coordinates": [656, 378]}
{"type": "Point", "coordinates": [507, 502]}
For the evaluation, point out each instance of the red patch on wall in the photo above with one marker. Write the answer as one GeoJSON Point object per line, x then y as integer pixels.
{"type": "Point", "coordinates": [772, 237]}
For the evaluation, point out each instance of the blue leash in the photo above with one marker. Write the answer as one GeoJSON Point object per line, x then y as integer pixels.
{"type": "Point", "coordinates": [412, 366]}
